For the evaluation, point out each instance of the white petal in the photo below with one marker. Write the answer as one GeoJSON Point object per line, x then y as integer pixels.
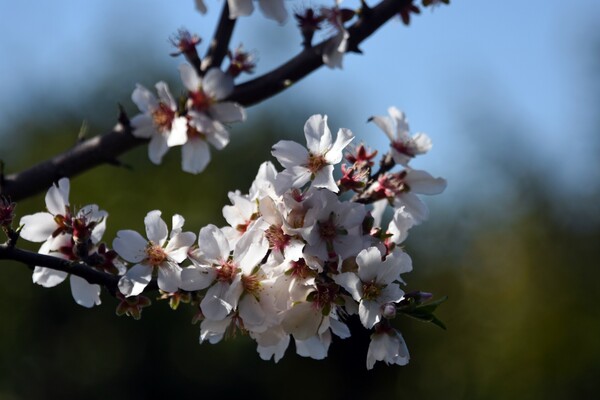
{"type": "Point", "coordinates": [195, 156]}
{"type": "Point", "coordinates": [343, 138]}
{"type": "Point", "coordinates": [157, 148]}
{"type": "Point", "coordinates": [317, 134]}
{"type": "Point", "coordinates": [57, 198]}
{"type": "Point", "coordinates": [178, 135]}
{"type": "Point", "coordinates": [143, 126]}
{"type": "Point", "coordinates": [369, 264]}
{"type": "Point", "coordinates": [84, 293]}
{"type": "Point", "coordinates": [385, 124]}
{"type": "Point", "coordinates": [144, 99]}
{"type": "Point", "coordinates": [164, 94]}
{"type": "Point", "coordinates": [130, 245]}
{"type": "Point", "coordinates": [169, 276]}
{"type": "Point", "coordinates": [274, 9]}
{"type": "Point", "coordinates": [289, 153]}
{"type": "Point", "coordinates": [197, 277]}
{"type": "Point", "coordinates": [217, 84]}
{"type": "Point", "coordinates": [302, 320]}
{"type": "Point", "coordinates": [178, 245]}
{"type": "Point", "coordinates": [156, 229]}
{"type": "Point", "coordinates": [48, 277]}
{"type": "Point", "coordinates": [350, 282]}
{"type": "Point", "coordinates": [251, 312]}
{"type": "Point", "coordinates": [324, 179]}
{"type": "Point", "coordinates": [37, 227]}
{"type": "Point", "coordinates": [135, 280]}
{"type": "Point", "coordinates": [228, 112]}
{"type": "Point", "coordinates": [213, 244]}
{"type": "Point", "coordinates": [422, 182]}
{"type": "Point", "coordinates": [189, 77]}
{"type": "Point", "coordinates": [369, 313]}
{"type": "Point", "coordinates": [213, 305]}
{"type": "Point", "coordinates": [238, 8]}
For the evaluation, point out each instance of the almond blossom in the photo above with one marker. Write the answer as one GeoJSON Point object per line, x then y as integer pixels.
{"type": "Point", "coordinates": [387, 345]}
{"type": "Point", "coordinates": [158, 121]}
{"type": "Point", "coordinates": [314, 165]}
{"type": "Point", "coordinates": [160, 252]}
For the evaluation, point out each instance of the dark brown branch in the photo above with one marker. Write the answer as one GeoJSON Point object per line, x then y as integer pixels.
{"type": "Point", "coordinates": [106, 148]}
{"type": "Point", "coordinates": [220, 42]}
{"type": "Point", "coordinates": [76, 268]}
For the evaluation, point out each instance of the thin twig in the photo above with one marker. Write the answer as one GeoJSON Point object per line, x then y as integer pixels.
{"type": "Point", "coordinates": [220, 42]}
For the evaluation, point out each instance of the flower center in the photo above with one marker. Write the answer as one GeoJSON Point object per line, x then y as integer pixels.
{"type": "Point", "coordinates": [155, 254]}
{"type": "Point", "coordinates": [163, 117]}
{"type": "Point", "coordinates": [277, 239]}
{"type": "Point", "coordinates": [227, 272]}
{"type": "Point", "coordinates": [251, 284]}
{"type": "Point", "coordinates": [328, 229]}
{"type": "Point", "coordinates": [200, 100]}
{"type": "Point", "coordinates": [371, 291]}
{"type": "Point", "coordinates": [406, 148]}
{"type": "Point", "coordinates": [315, 163]}
{"type": "Point", "coordinates": [193, 133]}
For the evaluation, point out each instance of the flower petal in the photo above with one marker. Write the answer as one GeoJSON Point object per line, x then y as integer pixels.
{"type": "Point", "coordinates": [84, 293]}
{"type": "Point", "coordinates": [156, 229]}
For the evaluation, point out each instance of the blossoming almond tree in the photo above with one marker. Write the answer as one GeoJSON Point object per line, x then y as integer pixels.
{"type": "Point", "coordinates": [303, 251]}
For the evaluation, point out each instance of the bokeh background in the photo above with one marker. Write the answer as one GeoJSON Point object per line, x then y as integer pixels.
{"type": "Point", "coordinates": [509, 92]}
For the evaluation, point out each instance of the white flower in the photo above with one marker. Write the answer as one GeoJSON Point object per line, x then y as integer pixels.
{"type": "Point", "coordinates": [272, 9]}
{"type": "Point", "coordinates": [207, 115]}
{"type": "Point", "coordinates": [56, 229]}
{"type": "Point", "coordinates": [314, 165]}
{"type": "Point", "coordinates": [160, 251]}
{"type": "Point", "coordinates": [387, 345]}
{"type": "Point", "coordinates": [404, 147]}
{"type": "Point", "coordinates": [373, 284]}
{"type": "Point", "coordinates": [159, 121]}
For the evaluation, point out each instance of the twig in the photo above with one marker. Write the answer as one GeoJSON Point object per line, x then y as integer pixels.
{"type": "Point", "coordinates": [220, 42]}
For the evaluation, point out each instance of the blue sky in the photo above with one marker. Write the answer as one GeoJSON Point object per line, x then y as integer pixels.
{"type": "Point", "coordinates": [522, 62]}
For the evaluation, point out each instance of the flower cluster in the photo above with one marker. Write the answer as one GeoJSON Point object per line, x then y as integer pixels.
{"type": "Point", "coordinates": [297, 259]}
{"type": "Point", "coordinates": [201, 120]}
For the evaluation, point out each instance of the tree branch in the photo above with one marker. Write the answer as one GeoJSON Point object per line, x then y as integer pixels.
{"type": "Point", "coordinates": [106, 148]}
{"type": "Point", "coordinates": [220, 42]}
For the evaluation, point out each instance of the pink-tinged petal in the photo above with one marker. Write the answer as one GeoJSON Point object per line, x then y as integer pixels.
{"type": "Point", "coordinates": [423, 183]}
{"type": "Point", "coordinates": [197, 277]}
{"type": "Point", "coordinates": [135, 280]}
{"type": "Point", "coordinates": [251, 312]}
{"type": "Point", "coordinates": [317, 134]}
{"type": "Point", "coordinates": [213, 305]}
{"type": "Point", "coordinates": [343, 138]}
{"type": "Point", "coordinates": [228, 112]}
{"type": "Point", "coordinates": [239, 8]}
{"type": "Point", "coordinates": [324, 179]}
{"type": "Point", "coordinates": [144, 99]}
{"type": "Point", "coordinates": [169, 276]}
{"type": "Point", "coordinates": [37, 227]}
{"type": "Point", "coordinates": [130, 245]}
{"type": "Point", "coordinates": [217, 84]}
{"type": "Point", "coordinates": [47, 277]}
{"type": "Point", "coordinates": [195, 156]}
{"type": "Point", "coordinates": [273, 9]}
{"type": "Point", "coordinates": [385, 124]}
{"type": "Point", "coordinates": [369, 313]}
{"type": "Point", "coordinates": [178, 246]}
{"type": "Point", "coordinates": [213, 244]}
{"type": "Point", "coordinates": [156, 229]}
{"type": "Point", "coordinates": [178, 135]}
{"type": "Point", "coordinates": [57, 198]}
{"type": "Point", "coordinates": [189, 77]}
{"type": "Point", "coordinates": [84, 293]}
{"type": "Point", "coordinates": [289, 153]}
{"type": "Point", "coordinates": [157, 148]}
{"type": "Point", "coordinates": [164, 94]}
{"type": "Point", "coordinates": [350, 282]}
{"type": "Point", "coordinates": [143, 126]}
{"type": "Point", "coordinates": [302, 320]}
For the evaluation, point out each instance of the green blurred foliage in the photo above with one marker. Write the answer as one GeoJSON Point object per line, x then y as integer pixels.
{"type": "Point", "coordinates": [522, 316]}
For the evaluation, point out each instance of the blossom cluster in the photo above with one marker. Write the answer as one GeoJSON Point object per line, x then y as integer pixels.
{"type": "Point", "coordinates": [301, 253]}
